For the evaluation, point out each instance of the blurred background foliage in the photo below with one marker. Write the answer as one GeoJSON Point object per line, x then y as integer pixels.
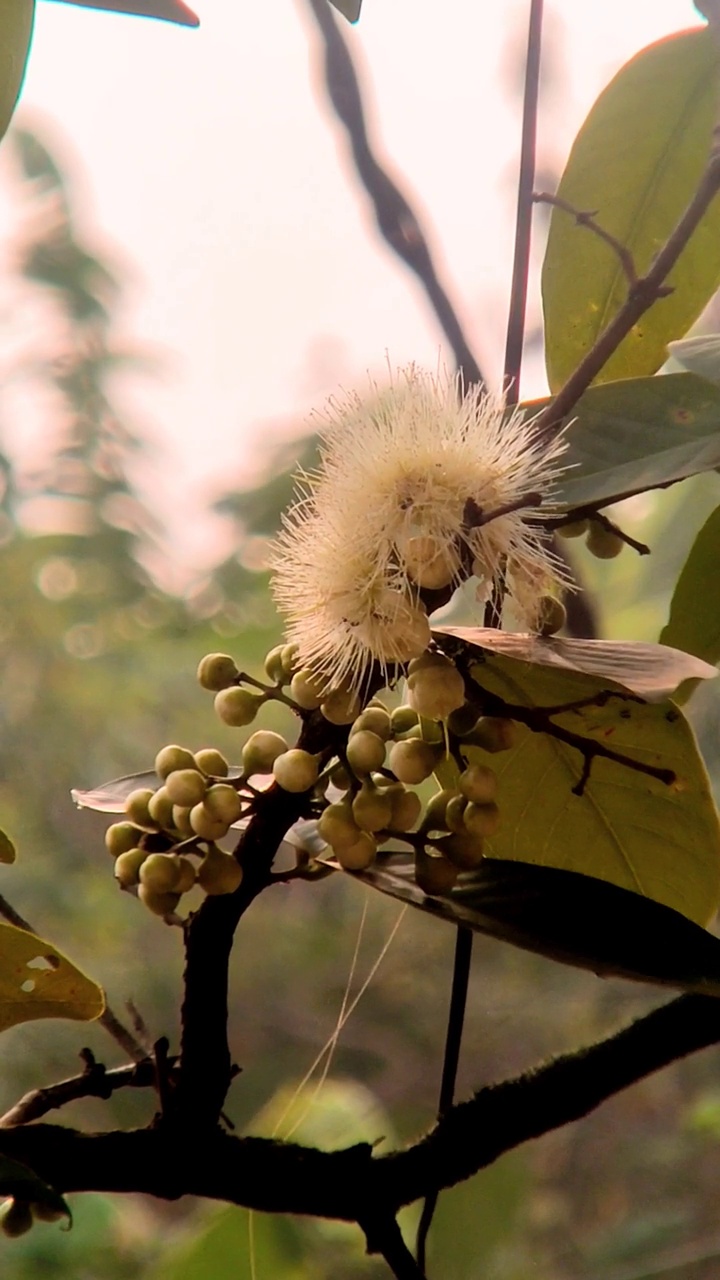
{"type": "Point", "coordinates": [97, 664]}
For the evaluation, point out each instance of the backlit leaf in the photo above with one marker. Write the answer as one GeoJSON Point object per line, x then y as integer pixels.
{"type": "Point", "coordinates": [694, 622]}
{"type": "Point", "coordinates": [575, 919]}
{"type": "Point", "coordinates": [643, 433]}
{"type": "Point", "coordinates": [652, 671]}
{"type": "Point", "coordinates": [635, 831]}
{"type": "Point", "coordinates": [635, 163]}
{"type": "Point", "coordinates": [38, 981]}
{"type": "Point", "coordinates": [18, 1180]}
{"type": "Point", "coordinates": [16, 24]}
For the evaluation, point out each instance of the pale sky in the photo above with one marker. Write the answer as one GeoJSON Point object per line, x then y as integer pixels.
{"type": "Point", "coordinates": [209, 161]}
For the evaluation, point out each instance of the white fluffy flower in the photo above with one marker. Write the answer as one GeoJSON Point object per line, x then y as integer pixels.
{"type": "Point", "coordinates": [396, 506]}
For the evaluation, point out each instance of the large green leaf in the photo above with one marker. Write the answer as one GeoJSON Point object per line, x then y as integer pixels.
{"type": "Point", "coordinates": [16, 24]}
{"type": "Point", "coordinates": [643, 433]}
{"type": "Point", "coordinates": [37, 981]}
{"type": "Point", "coordinates": [576, 919]}
{"type": "Point", "coordinates": [635, 831]}
{"type": "Point", "coordinates": [636, 162]}
{"type": "Point", "coordinates": [168, 10]}
{"type": "Point", "coordinates": [694, 622]}
{"type": "Point", "coordinates": [228, 1248]}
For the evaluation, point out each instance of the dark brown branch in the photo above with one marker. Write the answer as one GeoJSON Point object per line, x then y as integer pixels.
{"type": "Point", "coordinates": [396, 220]}
{"type": "Point", "coordinates": [384, 1236]}
{"type": "Point", "coordinates": [587, 219]}
{"type": "Point", "coordinates": [353, 1185]}
{"type": "Point", "coordinates": [641, 547]}
{"type": "Point", "coordinates": [644, 293]}
{"type": "Point", "coordinates": [107, 1019]}
{"type": "Point", "coordinates": [94, 1082]}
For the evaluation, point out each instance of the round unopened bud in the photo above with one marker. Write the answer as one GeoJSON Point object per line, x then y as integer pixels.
{"type": "Point", "coordinates": [433, 873]}
{"type": "Point", "coordinates": [365, 752]}
{"type": "Point", "coordinates": [430, 561]}
{"type": "Point", "coordinates": [172, 757]}
{"type": "Point", "coordinates": [602, 542]}
{"type": "Point", "coordinates": [402, 720]}
{"type": "Point", "coordinates": [341, 706]}
{"type": "Point", "coordinates": [217, 671]}
{"type": "Point", "coordinates": [358, 856]}
{"type": "Point", "coordinates": [478, 783]}
{"type": "Point", "coordinates": [371, 809]}
{"type": "Point", "coordinates": [337, 825]}
{"type": "Point", "coordinates": [454, 813]}
{"type": "Point", "coordinates": [274, 667]}
{"type": "Point", "coordinates": [436, 810]}
{"type": "Point", "coordinates": [222, 801]}
{"type": "Point", "coordinates": [127, 867]}
{"type": "Point", "coordinates": [464, 850]}
{"type": "Point", "coordinates": [296, 770]}
{"type": "Point", "coordinates": [435, 688]}
{"type": "Point", "coordinates": [120, 837]}
{"type": "Point", "coordinates": [160, 872]}
{"type": "Point", "coordinates": [211, 762]}
{"type": "Point", "coordinates": [573, 528]}
{"type": "Point", "coordinates": [238, 707]}
{"type": "Point", "coordinates": [412, 761]}
{"type": "Point", "coordinates": [161, 904]}
{"type": "Point", "coordinates": [340, 777]}
{"type": "Point", "coordinates": [16, 1218]}
{"type": "Point", "coordinates": [219, 872]}
{"type": "Point", "coordinates": [482, 819]}
{"type": "Point", "coordinates": [185, 787]}
{"type": "Point", "coordinates": [494, 733]}
{"type": "Point", "coordinates": [160, 808]}
{"type": "Point", "coordinates": [406, 809]}
{"type": "Point", "coordinates": [136, 807]}
{"type": "Point", "coordinates": [397, 629]}
{"type": "Point", "coordinates": [462, 720]}
{"type": "Point", "coordinates": [187, 875]}
{"type": "Point", "coordinates": [205, 825]}
{"type": "Point", "coordinates": [181, 820]}
{"type": "Point", "coordinates": [262, 750]}
{"type": "Point", "coordinates": [308, 689]}
{"type": "Point", "coordinates": [551, 616]}
{"type": "Point", "coordinates": [376, 720]}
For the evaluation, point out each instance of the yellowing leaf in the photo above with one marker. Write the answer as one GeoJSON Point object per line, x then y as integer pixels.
{"type": "Point", "coordinates": [37, 981]}
{"type": "Point", "coordinates": [633, 830]}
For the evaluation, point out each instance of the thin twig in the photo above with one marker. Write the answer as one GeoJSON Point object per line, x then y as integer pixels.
{"type": "Point", "coordinates": [396, 220]}
{"type": "Point", "coordinates": [523, 221]}
{"type": "Point", "coordinates": [384, 1236]}
{"type": "Point", "coordinates": [645, 292]}
{"type": "Point", "coordinates": [107, 1019]}
{"type": "Point", "coordinates": [587, 218]}
{"type": "Point", "coordinates": [94, 1082]}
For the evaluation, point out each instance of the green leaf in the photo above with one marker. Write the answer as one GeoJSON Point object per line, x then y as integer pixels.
{"type": "Point", "coordinates": [350, 9]}
{"type": "Point", "coordinates": [633, 830]}
{"type": "Point", "coordinates": [18, 1180]}
{"type": "Point", "coordinates": [7, 849]}
{"type": "Point", "coordinates": [38, 981]}
{"type": "Point", "coordinates": [699, 355]}
{"type": "Point", "coordinates": [627, 437]}
{"type": "Point", "coordinates": [167, 10]}
{"type": "Point", "coordinates": [576, 919]}
{"type": "Point", "coordinates": [694, 622]}
{"type": "Point", "coordinates": [635, 163]}
{"type": "Point", "coordinates": [652, 671]}
{"type": "Point", "coordinates": [226, 1250]}
{"type": "Point", "coordinates": [16, 24]}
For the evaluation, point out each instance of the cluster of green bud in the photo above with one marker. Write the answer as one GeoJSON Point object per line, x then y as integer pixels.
{"type": "Point", "coordinates": [17, 1216]}
{"type": "Point", "coordinates": [600, 541]}
{"type": "Point", "coordinates": [455, 826]}
{"type": "Point", "coordinates": [167, 842]}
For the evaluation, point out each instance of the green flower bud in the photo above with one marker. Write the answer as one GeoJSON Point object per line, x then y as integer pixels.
{"type": "Point", "coordinates": [371, 809]}
{"type": "Point", "coordinates": [482, 819]}
{"type": "Point", "coordinates": [120, 837]}
{"type": "Point", "coordinates": [551, 616]}
{"type": "Point", "coordinates": [296, 770]}
{"type": "Point", "coordinates": [127, 867]}
{"type": "Point", "coordinates": [340, 778]}
{"type": "Point", "coordinates": [430, 561]}
{"type": "Point", "coordinates": [274, 667]}
{"type": "Point", "coordinates": [187, 875]}
{"type": "Point", "coordinates": [170, 758]}
{"type": "Point", "coordinates": [238, 707]}
{"type": "Point", "coordinates": [402, 720]}
{"type": "Point", "coordinates": [435, 686]}
{"type": "Point", "coordinates": [454, 814]}
{"type": "Point", "coordinates": [478, 783]}
{"type": "Point", "coordinates": [412, 761]}
{"type": "Point", "coordinates": [160, 808]}
{"type": "Point", "coordinates": [181, 820]}
{"type": "Point", "coordinates": [493, 733]}
{"type": "Point", "coordinates": [602, 542]}
{"type": "Point", "coordinates": [308, 689]}
{"type": "Point", "coordinates": [217, 671]}
{"type": "Point", "coordinates": [160, 872]}
{"type": "Point", "coordinates": [464, 850]}
{"type": "Point", "coordinates": [436, 809]}
{"type": "Point", "coordinates": [223, 802]}
{"type": "Point", "coordinates": [136, 807]}
{"type": "Point", "coordinates": [211, 762]}
{"type": "Point", "coordinates": [462, 721]}
{"type": "Point", "coordinates": [262, 750]}
{"type": "Point", "coordinates": [341, 706]}
{"type": "Point", "coordinates": [376, 720]}
{"type": "Point", "coordinates": [219, 872]}
{"type": "Point", "coordinates": [433, 873]}
{"type": "Point", "coordinates": [185, 787]}
{"type": "Point", "coordinates": [573, 529]}
{"type": "Point", "coordinates": [406, 809]}
{"type": "Point", "coordinates": [205, 825]}
{"type": "Point", "coordinates": [337, 825]}
{"type": "Point", "coordinates": [161, 904]}
{"type": "Point", "coordinates": [365, 752]}
{"type": "Point", "coordinates": [358, 856]}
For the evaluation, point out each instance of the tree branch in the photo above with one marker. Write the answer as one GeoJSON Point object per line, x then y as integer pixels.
{"type": "Point", "coordinates": [586, 218]}
{"type": "Point", "coordinates": [94, 1082]}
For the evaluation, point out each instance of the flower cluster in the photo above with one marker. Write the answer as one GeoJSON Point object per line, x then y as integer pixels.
{"type": "Point", "coordinates": [419, 486]}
